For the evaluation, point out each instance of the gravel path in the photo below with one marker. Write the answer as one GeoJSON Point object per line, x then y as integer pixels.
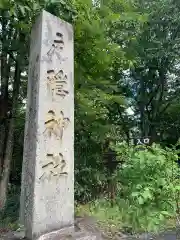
{"type": "Point", "coordinates": [170, 235]}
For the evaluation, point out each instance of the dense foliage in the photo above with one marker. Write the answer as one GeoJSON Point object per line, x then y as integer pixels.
{"type": "Point", "coordinates": [149, 179]}
{"type": "Point", "coordinates": [147, 191]}
{"type": "Point", "coordinates": [126, 85]}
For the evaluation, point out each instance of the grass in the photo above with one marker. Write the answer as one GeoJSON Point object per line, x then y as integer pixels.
{"type": "Point", "coordinates": [123, 218]}
{"type": "Point", "coordinates": [107, 218]}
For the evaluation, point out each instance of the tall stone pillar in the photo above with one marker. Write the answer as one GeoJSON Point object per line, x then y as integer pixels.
{"type": "Point", "coordinates": [47, 193]}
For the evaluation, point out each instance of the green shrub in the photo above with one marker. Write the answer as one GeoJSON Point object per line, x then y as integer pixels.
{"type": "Point", "coordinates": [148, 182]}
{"type": "Point", "coordinates": [146, 194]}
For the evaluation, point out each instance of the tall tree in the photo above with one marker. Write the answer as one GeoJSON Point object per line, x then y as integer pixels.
{"type": "Point", "coordinates": [154, 79]}
{"type": "Point", "coordinates": [15, 27]}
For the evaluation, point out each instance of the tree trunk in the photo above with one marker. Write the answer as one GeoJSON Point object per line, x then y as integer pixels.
{"type": "Point", "coordinates": [10, 137]}
{"type": "Point", "coordinates": [2, 139]}
{"type": "Point", "coordinates": [6, 168]}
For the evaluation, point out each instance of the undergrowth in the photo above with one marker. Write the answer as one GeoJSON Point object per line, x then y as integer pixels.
{"type": "Point", "coordinates": [147, 191]}
{"type": "Point", "coordinates": [10, 215]}
{"type": "Point", "coordinates": [113, 220]}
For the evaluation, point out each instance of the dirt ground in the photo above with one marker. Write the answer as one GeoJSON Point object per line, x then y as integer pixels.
{"type": "Point", "coordinates": [88, 225]}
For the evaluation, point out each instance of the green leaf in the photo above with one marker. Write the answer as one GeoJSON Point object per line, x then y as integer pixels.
{"type": "Point", "coordinates": [5, 4]}
{"type": "Point", "coordinates": [165, 213]}
{"type": "Point", "coordinates": [22, 9]}
{"type": "Point", "coordinates": [177, 188]}
{"type": "Point", "coordinates": [135, 194]}
{"type": "Point", "coordinates": [140, 200]}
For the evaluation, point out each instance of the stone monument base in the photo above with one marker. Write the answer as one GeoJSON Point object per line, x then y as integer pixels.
{"type": "Point", "coordinates": [84, 228]}
{"type": "Point", "coordinates": [68, 233]}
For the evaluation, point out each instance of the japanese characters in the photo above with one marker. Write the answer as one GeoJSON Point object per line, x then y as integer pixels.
{"type": "Point", "coordinates": [57, 84]}
{"type": "Point", "coordinates": [55, 122]}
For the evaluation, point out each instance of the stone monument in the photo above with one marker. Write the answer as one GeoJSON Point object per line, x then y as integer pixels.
{"type": "Point", "coordinates": [47, 193]}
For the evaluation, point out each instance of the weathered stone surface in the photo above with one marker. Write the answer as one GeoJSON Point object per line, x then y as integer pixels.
{"type": "Point", "coordinates": [47, 194]}
{"type": "Point", "coordinates": [67, 234]}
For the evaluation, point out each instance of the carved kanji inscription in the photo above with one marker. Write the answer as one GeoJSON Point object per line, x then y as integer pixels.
{"type": "Point", "coordinates": [57, 46]}
{"type": "Point", "coordinates": [55, 165]}
{"type": "Point", "coordinates": [57, 84]}
{"type": "Point", "coordinates": [55, 125]}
